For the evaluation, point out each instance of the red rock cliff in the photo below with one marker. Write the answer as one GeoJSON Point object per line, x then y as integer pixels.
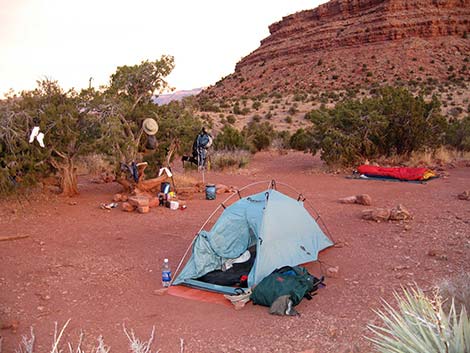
{"type": "Point", "coordinates": [347, 42]}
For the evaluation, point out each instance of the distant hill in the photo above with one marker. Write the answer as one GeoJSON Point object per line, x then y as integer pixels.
{"type": "Point", "coordinates": [175, 96]}
{"type": "Point", "coordinates": [349, 43]}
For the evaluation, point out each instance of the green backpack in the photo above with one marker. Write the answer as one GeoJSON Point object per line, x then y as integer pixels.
{"type": "Point", "coordinates": [295, 281]}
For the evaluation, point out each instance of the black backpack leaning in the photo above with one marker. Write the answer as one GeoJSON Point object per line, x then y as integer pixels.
{"type": "Point", "coordinates": [295, 282]}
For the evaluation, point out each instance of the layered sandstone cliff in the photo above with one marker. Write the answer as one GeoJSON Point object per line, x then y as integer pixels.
{"type": "Point", "coordinates": [357, 42]}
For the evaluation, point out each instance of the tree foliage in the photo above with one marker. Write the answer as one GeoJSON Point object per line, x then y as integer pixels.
{"type": "Point", "coordinates": [108, 121]}
{"type": "Point", "coordinates": [129, 100]}
{"type": "Point", "coordinates": [69, 127]}
{"type": "Point", "coordinates": [393, 122]}
{"type": "Point", "coordinates": [458, 134]}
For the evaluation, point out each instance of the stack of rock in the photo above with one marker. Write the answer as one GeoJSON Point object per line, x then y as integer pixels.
{"type": "Point", "coordinates": [141, 203]}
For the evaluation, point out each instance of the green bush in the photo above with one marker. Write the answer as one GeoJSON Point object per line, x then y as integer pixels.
{"type": "Point", "coordinates": [236, 109]}
{"type": "Point", "coordinates": [458, 134]}
{"type": "Point", "coordinates": [393, 122]}
{"type": "Point", "coordinates": [420, 325]}
{"type": "Point", "coordinates": [229, 139]}
{"type": "Point", "coordinates": [231, 119]}
{"type": "Point", "coordinates": [206, 105]}
{"type": "Point", "coordinates": [258, 136]}
{"type": "Point", "coordinates": [301, 140]}
{"type": "Point", "coordinates": [281, 140]}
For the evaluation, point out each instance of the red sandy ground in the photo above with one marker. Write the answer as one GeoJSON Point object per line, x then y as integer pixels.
{"type": "Point", "coordinates": [101, 268]}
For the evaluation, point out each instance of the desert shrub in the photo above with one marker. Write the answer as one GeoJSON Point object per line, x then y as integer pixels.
{"type": "Point", "coordinates": [301, 140]}
{"type": "Point", "coordinates": [281, 140]}
{"type": "Point", "coordinates": [224, 159]}
{"type": "Point", "coordinates": [258, 136]}
{"type": "Point", "coordinates": [229, 139]}
{"type": "Point", "coordinates": [420, 325]}
{"type": "Point", "coordinates": [231, 119]}
{"type": "Point", "coordinates": [256, 105]}
{"type": "Point", "coordinates": [458, 134]}
{"type": "Point", "coordinates": [207, 105]}
{"type": "Point", "coordinates": [393, 122]}
{"type": "Point", "coordinates": [245, 111]}
{"type": "Point", "coordinates": [223, 104]}
{"type": "Point", "coordinates": [300, 96]}
{"type": "Point", "coordinates": [236, 108]}
{"type": "Point", "coordinates": [293, 109]}
{"type": "Point", "coordinates": [288, 119]}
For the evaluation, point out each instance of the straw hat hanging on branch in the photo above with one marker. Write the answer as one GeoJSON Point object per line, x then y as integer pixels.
{"type": "Point", "coordinates": [150, 126]}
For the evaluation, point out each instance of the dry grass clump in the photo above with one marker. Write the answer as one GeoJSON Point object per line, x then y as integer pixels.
{"type": "Point", "coordinates": [135, 344]}
{"type": "Point", "coordinates": [458, 289]}
{"type": "Point", "coordinates": [443, 155]}
{"type": "Point", "coordinates": [224, 159]}
{"type": "Point", "coordinates": [184, 180]}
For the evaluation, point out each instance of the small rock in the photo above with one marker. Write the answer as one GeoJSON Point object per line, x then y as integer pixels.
{"type": "Point", "coordinates": [438, 254]}
{"type": "Point", "coordinates": [40, 308]}
{"type": "Point", "coordinates": [399, 213]}
{"type": "Point", "coordinates": [154, 202]}
{"type": "Point", "coordinates": [333, 331]}
{"type": "Point", "coordinates": [464, 196]}
{"type": "Point", "coordinates": [407, 227]}
{"type": "Point", "coordinates": [376, 214]}
{"type": "Point", "coordinates": [364, 199]}
{"type": "Point", "coordinates": [72, 203]}
{"type": "Point", "coordinates": [143, 209]}
{"type": "Point", "coordinates": [10, 325]}
{"type": "Point", "coordinates": [117, 197]}
{"type": "Point", "coordinates": [348, 200]}
{"type": "Point", "coordinates": [332, 272]}
{"type": "Point", "coordinates": [139, 201]}
{"type": "Point", "coordinates": [221, 189]}
{"type": "Point", "coordinates": [126, 206]}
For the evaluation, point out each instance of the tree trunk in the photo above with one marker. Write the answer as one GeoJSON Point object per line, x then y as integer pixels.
{"type": "Point", "coordinates": [68, 177]}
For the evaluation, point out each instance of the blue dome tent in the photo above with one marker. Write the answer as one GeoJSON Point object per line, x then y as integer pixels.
{"type": "Point", "coordinates": [279, 229]}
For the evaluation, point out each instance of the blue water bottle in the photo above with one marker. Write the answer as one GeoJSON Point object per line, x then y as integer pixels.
{"type": "Point", "coordinates": [166, 274]}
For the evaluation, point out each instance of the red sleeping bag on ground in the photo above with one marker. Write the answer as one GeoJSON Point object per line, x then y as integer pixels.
{"type": "Point", "coordinates": [401, 173]}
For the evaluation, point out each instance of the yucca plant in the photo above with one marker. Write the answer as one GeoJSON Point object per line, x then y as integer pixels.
{"type": "Point", "coordinates": [420, 325]}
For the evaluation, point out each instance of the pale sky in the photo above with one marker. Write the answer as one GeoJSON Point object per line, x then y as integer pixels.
{"type": "Point", "coordinates": [71, 41]}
